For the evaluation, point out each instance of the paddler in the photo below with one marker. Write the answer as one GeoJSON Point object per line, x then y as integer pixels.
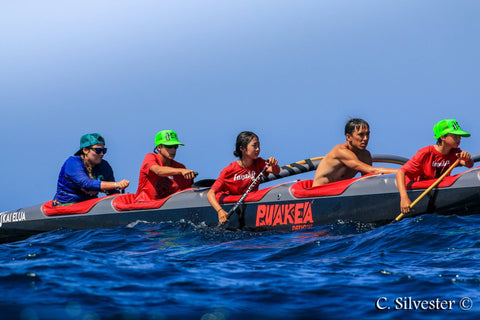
{"type": "Point", "coordinates": [345, 160]}
{"type": "Point", "coordinates": [86, 173]}
{"type": "Point", "coordinates": [432, 161]}
{"type": "Point", "coordinates": [238, 175]}
{"type": "Point", "coordinates": [160, 174]}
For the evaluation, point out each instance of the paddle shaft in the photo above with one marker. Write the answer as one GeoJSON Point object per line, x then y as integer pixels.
{"type": "Point", "coordinates": [246, 192]}
{"type": "Point", "coordinates": [303, 162]}
{"type": "Point", "coordinates": [400, 216]}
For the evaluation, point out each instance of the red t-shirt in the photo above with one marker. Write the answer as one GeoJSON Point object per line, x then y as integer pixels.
{"type": "Point", "coordinates": [153, 187]}
{"type": "Point", "coordinates": [235, 179]}
{"type": "Point", "coordinates": [428, 163]}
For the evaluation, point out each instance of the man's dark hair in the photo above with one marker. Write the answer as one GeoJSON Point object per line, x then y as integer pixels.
{"type": "Point", "coordinates": [355, 124]}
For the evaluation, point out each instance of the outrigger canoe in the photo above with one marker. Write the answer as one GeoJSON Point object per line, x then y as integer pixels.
{"type": "Point", "coordinates": [287, 206]}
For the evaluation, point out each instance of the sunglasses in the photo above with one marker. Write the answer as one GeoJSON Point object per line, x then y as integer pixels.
{"type": "Point", "coordinates": [171, 147]}
{"type": "Point", "coordinates": [99, 150]}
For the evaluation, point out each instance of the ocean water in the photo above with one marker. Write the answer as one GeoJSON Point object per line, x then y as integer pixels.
{"type": "Point", "coordinates": [419, 268]}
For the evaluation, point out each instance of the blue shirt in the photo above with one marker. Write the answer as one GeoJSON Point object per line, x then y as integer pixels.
{"type": "Point", "coordinates": [75, 185]}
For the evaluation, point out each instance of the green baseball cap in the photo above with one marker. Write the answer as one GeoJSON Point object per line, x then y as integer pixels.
{"type": "Point", "coordinates": [88, 140]}
{"type": "Point", "coordinates": [447, 126]}
{"type": "Point", "coordinates": [167, 137]}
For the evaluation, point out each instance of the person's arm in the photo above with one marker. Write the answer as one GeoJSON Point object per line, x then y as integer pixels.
{"type": "Point", "coordinates": [166, 171]}
{"type": "Point", "coordinates": [212, 199]}
{"type": "Point", "coordinates": [75, 171]}
{"type": "Point", "coordinates": [402, 189]}
{"type": "Point", "coordinates": [112, 185]}
{"type": "Point", "coordinates": [349, 159]}
{"type": "Point", "coordinates": [384, 170]}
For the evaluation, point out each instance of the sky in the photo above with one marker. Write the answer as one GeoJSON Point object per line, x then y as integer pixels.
{"type": "Point", "coordinates": [293, 72]}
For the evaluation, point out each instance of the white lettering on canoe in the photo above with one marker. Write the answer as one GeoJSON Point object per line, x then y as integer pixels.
{"type": "Point", "coordinates": [8, 217]}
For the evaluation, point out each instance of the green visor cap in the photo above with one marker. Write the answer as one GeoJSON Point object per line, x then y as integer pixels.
{"type": "Point", "coordinates": [88, 140]}
{"type": "Point", "coordinates": [447, 126]}
{"type": "Point", "coordinates": [167, 137]}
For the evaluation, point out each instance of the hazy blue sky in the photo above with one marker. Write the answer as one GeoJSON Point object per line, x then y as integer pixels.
{"type": "Point", "coordinates": [292, 71]}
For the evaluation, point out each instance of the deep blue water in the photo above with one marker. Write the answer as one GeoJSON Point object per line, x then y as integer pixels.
{"type": "Point", "coordinates": [181, 271]}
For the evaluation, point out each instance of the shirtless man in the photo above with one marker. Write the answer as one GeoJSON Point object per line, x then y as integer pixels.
{"type": "Point", "coordinates": [345, 160]}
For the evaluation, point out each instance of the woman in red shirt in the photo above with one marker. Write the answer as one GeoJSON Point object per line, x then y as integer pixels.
{"type": "Point", "coordinates": [432, 161]}
{"type": "Point", "coordinates": [239, 175]}
{"type": "Point", "coordinates": [160, 175]}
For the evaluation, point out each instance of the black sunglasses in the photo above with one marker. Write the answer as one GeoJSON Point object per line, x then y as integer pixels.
{"type": "Point", "coordinates": [175, 146]}
{"type": "Point", "coordinates": [99, 150]}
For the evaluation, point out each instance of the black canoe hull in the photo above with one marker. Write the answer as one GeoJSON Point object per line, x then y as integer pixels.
{"type": "Point", "coordinates": [372, 199]}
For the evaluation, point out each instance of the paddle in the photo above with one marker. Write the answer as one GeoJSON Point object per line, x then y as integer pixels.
{"type": "Point", "coordinates": [303, 161]}
{"type": "Point", "coordinates": [400, 216]}
{"type": "Point", "coordinates": [205, 183]}
{"type": "Point", "coordinates": [246, 192]}
{"type": "Point", "coordinates": [298, 167]}
{"type": "Point", "coordinates": [476, 157]}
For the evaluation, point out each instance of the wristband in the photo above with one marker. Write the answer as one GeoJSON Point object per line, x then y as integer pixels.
{"type": "Point", "coordinates": [115, 186]}
{"type": "Point", "coordinates": [219, 210]}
